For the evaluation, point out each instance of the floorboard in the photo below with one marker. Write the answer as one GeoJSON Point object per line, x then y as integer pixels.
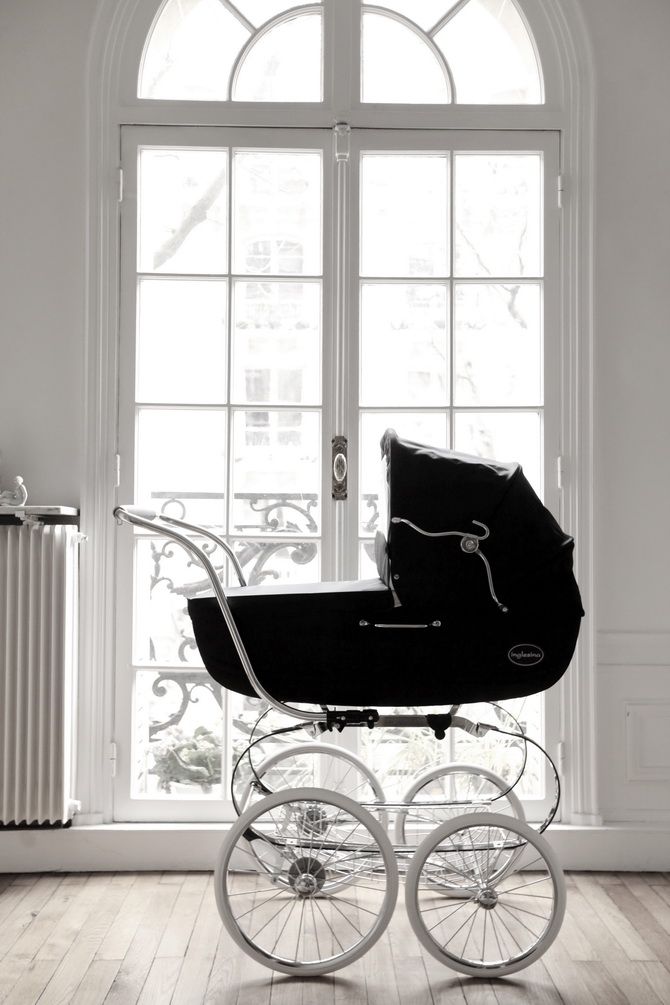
{"type": "Point", "coordinates": [130, 939]}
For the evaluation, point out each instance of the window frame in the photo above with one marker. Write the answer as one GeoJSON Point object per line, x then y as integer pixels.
{"type": "Point", "coordinates": [116, 44]}
{"type": "Point", "coordinates": [340, 536]}
{"type": "Point", "coordinates": [133, 139]}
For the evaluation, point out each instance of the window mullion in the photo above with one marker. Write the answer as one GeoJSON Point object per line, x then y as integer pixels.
{"type": "Point", "coordinates": [342, 36]}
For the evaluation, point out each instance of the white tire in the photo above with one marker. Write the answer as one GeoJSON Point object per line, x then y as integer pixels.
{"type": "Point", "coordinates": [320, 885]}
{"type": "Point", "coordinates": [474, 916]}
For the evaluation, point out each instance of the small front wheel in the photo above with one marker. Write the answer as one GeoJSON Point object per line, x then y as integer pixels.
{"type": "Point", "coordinates": [447, 791]}
{"type": "Point", "coordinates": [315, 765]}
{"type": "Point", "coordinates": [471, 913]}
{"type": "Point", "coordinates": [306, 881]}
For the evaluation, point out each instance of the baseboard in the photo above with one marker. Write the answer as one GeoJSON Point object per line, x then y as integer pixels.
{"type": "Point", "coordinates": [194, 847]}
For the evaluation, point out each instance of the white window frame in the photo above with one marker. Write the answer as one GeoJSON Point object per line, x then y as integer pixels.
{"type": "Point", "coordinates": [135, 138]}
{"type": "Point", "coordinates": [340, 521]}
{"type": "Point", "coordinates": [116, 45]}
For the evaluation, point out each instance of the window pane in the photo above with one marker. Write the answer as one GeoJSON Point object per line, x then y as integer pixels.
{"type": "Point", "coordinates": [503, 436]}
{"type": "Point", "coordinates": [277, 212]}
{"type": "Point", "coordinates": [276, 472]}
{"type": "Point", "coordinates": [491, 55]}
{"type": "Point", "coordinates": [498, 215]}
{"type": "Point", "coordinates": [181, 340]}
{"type": "Point", "coordinates": [398, 65]}
{"type": "Point", "coordinates": [276, 342]}
{"type": "Point", "coordinates": [498, 344]}
{"type": "Point", "coordinates": [422, 427]}
{"type": "Point", "coordinates": [191, 51]}
{"type": "Point", "coordinates": [404, 220]}
{"type": "Point", "coordinates": [367, 566]}
{"type": "Point", "coordinates": [425, 13]}
{"type": "Point", "coordinates": [163, 632]}
{"type": "Point", "coordinates": [266, 562]}
{"type": "Point", "coordinates": [183, 210]}
{"type": "Point", "coordinates": [181, 456]}
{"type": "Point", "coordinates": [177, 736]}
{"type": "Point", "coordinates": [404, 344]}
{"type": "Point", "coordinates": [284, 63]}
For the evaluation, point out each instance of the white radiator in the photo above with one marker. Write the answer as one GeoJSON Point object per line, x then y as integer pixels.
{"type": "Point", "coordinates": [38, 645]}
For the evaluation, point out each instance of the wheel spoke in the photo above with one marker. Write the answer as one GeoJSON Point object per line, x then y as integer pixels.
{"type": "Point", "coordinates": [339, 910]}
{"type": "Point", "coordinates": [352, 903]}
{"type": "Point", "coordinates": [259, 907]}
{"type": "Point", "coordinates": [460, 927]}
{"type": "Point", "coordinates": [483, 956]}
{"type": "Point", "coordinates": [513, 907]}
{"type": "Point", "coordinates": [441, 907]}
{"type": "Point", "coordinates": [332, 930]}
{"type": "Point", "coordinates": [495, 932]}
{"type": "Point", "coordinates": [302, 915]}
{"type": "Point", "coordinates": [465, 945]}
{"type": "Point", "coordinates": [518, 921]}
{"type": "Point", "coordinates": [316, 929]}
{"type": "Point", "coordinates": [442, 921]}
{"type": "Point", "coordinates": [263, 927]}
{"type": "Point", "coordinates": [283, 927]}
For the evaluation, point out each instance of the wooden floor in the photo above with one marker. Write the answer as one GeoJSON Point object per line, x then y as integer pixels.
{"type": "Point", "coordinates": [156, 938]}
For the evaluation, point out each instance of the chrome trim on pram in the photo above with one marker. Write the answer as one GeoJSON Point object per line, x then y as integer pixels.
{"type": "Point", "coordinates": [469, 544]}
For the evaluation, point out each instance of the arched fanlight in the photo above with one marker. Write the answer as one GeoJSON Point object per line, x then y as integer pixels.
{"type": "Point", "coordinates": [412, 52]}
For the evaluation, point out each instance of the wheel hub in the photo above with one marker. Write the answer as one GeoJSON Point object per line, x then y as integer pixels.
{"type": "Point", "coordinates": [487, 898]}
{"type": "Point", "coordinates": [313, 820]}
{"type": "Point", "coordinates": [306, 876]}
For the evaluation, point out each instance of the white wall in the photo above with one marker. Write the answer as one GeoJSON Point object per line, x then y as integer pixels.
{"type": "Point", "coordinates": [42, 165]}
{"type": "Point", "coordinates": [42, 337]}
{"type": "Point", "coordinates": [632, 373]}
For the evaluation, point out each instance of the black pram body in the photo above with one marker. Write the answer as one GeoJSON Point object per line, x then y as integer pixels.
{"type": "Point", "coordinates": [458, 617]}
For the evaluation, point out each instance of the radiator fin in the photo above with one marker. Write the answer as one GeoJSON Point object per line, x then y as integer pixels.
{"type": "Point", "coordinates": [38, 584]}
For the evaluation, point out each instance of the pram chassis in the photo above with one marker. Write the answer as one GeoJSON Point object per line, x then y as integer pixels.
{"type": "Point", "coordinates": [309, 857]}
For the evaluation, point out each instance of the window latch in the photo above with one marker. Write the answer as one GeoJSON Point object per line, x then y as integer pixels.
{"type": "Point", "coordinates": [339, 467]}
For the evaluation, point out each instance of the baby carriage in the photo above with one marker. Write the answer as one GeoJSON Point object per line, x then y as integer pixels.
{"type": "Point", "coordinates": [475, 600]}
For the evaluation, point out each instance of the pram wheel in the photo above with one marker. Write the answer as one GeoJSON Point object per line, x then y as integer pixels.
{"type": "Point", "coordinates": [475, 916]}
{"type": "Point", "coordinates": [316, 765]}
{"type": "Point", "coordinates": [467, 787]}
{"type": "Point", "coordinates": [306, 881]}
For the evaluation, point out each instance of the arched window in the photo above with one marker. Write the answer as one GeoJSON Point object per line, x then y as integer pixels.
{"type": "Point", "coordinates": [419, 52]}
{"type": "Point", "coordinates": [337, 217]}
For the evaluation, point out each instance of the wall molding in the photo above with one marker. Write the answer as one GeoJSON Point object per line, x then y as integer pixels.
{"type": "Point", "coordinates": [647, 741]}
{"type": "Point", "coordinates": [634, 649]}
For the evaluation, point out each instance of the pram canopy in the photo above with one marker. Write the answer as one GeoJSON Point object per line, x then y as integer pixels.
{"type": "Point", "coordinates": [476, 599]}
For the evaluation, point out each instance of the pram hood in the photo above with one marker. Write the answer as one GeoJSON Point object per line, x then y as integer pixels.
{"type": "Point", "coordinates": [489, 502]}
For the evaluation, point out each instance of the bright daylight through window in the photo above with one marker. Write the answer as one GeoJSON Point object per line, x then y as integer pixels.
{"type": "Point", "coordinates": [254, 262]}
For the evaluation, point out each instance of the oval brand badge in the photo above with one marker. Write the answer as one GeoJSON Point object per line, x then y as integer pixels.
{"type": "Point", "coordinates": [525, 655]}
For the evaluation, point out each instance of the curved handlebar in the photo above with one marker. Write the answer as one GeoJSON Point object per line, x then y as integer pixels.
{"type": "Point", "coordinates": [134, 511]}
{"type": "Point", "coordinates": [147, 519]}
